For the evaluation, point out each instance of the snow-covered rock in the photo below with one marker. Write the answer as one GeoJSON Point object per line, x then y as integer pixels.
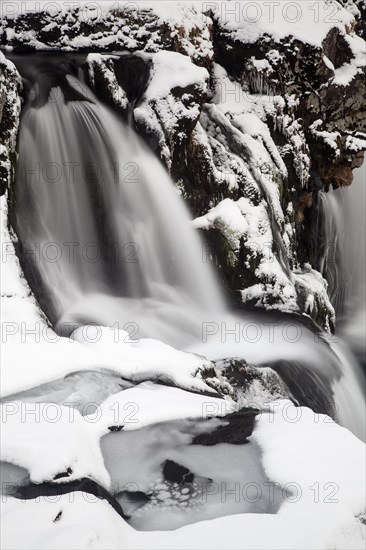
{"type": "Point", "coordinates": [149, 26]}
{"type": "Point", "coordinates": [10, 88]}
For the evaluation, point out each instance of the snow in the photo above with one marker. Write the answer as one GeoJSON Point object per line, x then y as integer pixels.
{"type": "Point", "coordinates": [143, 359]}
{"type": "Point", "coordinates": [315, 287]}
{"type": "Point", "coordinates": [330, 138]}
{"type": "Point", "coordinates": [50, 357]}
{"type": "Point", "coordinates": [344, 75]}
{"type": "Point", "coordinates": [355, 144]}
{"type": "Point", "coordinates": [150, 403]}
{"type": "Point", "coordinates": [163, 106]}
{"type": "Point", "coordinates": [304, 21]}
{"type": "Point", "coordinates": [55, 438]}
{"type": "Point", "coordinates": [89, 523]}
{"type": "Point", "coordinates": [320, 466]}
{"type": "Point", "coordinates": [93, 60]}
{"type": "Point", "coordinates": [10, 86]}
{"type": "Point", "coordinates": [8, 64]}
{"type": "Point", "coordinates": [125, 25]}
{"type": "Point", "coordinates": [334, 453]}
{"type": "Point", "coordinates": [171, 70]}
{"type": "Point", "coordinates": [239, 220]}
{"type": "Point", "coordinates": [227, 217]}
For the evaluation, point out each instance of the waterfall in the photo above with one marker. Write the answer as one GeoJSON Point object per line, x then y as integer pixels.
{"type": "Point", "coordinates": [111, 236]}
{"type": "Point", "coordinates": [109, 241]}
{"type": "Point", "coordinates": [354, 321]}
{"type": "Point", "coordinates": [342, 258]}
{"type": "Point", "coordinates": [342, 212]}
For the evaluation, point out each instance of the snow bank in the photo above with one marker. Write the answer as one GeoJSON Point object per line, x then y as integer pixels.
{"type": "Point", "coordinates": [49, 440]}
{"type": "Point", "coordinates": [304, 21]}
{"type": "Point", "coordinates": [145, 359]}
{"type": "Point", "coordinates": [319, 466]}
{"type": "Point", "coordinates": [170, 70]}
{"type": "Point", "coordinates": [334, 453]}
{"type": "Point", "coordinates": [150, 403]}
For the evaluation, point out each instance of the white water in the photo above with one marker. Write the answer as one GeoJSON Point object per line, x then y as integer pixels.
{"type": "Point", "coordinates": [354, 322]}
{"type": "Point", "coordinates": [159, 282]}
{"type": "Point", "coordinates": [343, 260]}
{"type": "Point", "coordinates": [156, 274]}
{"type": "Point", "coordinates": [343, 264]}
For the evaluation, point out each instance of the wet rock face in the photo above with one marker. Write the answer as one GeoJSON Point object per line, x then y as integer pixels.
{"type": "Point", "coordinates": [249, 386]}
{"type": "Point", "coordinates": [236, 429]}
{"type": "Point", "coordinates": [118, 80]}
{"type": "Point", "coordinates": [176, 473]}
{"type": "Point", "coordinates": [10, 88]}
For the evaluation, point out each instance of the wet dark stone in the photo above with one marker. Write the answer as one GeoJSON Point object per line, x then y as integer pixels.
{"type": "Point", "coordinates": [236, 429]}
{"type": "Point", "coordinates": [176, 473]}
{"type": "Point", "coordinates": [85, 485]}
{"type": "Point", "coordinates": [58, 517]}
{"type": "Point", "coordinates": [63, 474]}
{"type": "Point", "coordinates": [132, 501]}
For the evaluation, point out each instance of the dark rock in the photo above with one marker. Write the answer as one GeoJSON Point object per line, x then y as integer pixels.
{"type": "Point", "coordinates": [85, 485]}
{"type": "Point", "coordinates": [176, 473]}
{"type": "Point", "coordinates": [10, 89]}
{"type": "Point", "coordinates": [236, 428]}
{"type": "Point", "coordinates": [63, 474]}
{"type": "Point", "coordinates": [58, 517]}
{"type": "Point", "coordinates": [119, 80]}
{"type": "Point", "coordinates": [132, 500]}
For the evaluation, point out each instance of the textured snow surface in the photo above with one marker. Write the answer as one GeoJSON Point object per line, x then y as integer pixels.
{"type": "Point", "coordinates": [171, 69]}
{"type": "Point", "coordinates": [315, 287]}
{"type": "Point", "coordinates": [304, 21]}
{"type": "Point", "coordinates": [47, 439]}
{"type": "Point", "coordinates": [163, 105]}
{"type": "Point", "coordinates": [320, 464]}
{"type": "Point", "coordinates": [344, 74]}
{"type": "Point", "coordinates": [157, 404]}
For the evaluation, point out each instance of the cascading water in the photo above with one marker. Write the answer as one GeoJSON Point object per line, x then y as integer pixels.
{"type": "Point", "coordinates": [111, 242]}
{"type": "Point", "coordinates": [353, 327]}
{"type": "Point", "coordinates": [342, 262]}
{"type": "Point", "coordinates": [113, 236]}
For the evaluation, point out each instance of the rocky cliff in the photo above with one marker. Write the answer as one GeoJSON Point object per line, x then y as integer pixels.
{"type": "Point", "coordinates": [10, 88]}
